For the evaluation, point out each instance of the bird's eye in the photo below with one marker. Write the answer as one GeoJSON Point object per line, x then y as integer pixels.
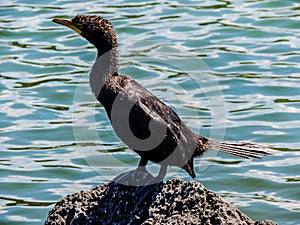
{"type": "Point", "coordinates": [79, 26]}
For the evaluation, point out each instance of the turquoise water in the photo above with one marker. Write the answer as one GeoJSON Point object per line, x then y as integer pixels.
{"type": "Point", "coordinates": [231, 69]}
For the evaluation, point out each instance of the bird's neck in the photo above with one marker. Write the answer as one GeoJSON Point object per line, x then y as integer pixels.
{"type": "Point", "coordinates": [105, 66]}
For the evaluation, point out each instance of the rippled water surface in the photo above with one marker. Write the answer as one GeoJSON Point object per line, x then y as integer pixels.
{"type": "Point", "coordinates": [231, 69]}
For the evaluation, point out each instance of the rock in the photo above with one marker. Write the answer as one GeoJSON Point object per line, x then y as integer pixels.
{"type": "Point", "coordinates": [175, 202]}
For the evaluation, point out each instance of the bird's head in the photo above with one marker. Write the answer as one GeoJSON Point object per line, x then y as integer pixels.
{"type": "Point", "coordinates": [97, 30]}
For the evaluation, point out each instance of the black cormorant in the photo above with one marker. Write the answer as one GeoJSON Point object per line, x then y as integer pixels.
{"type": "Point", "coordinates": [143, 122]}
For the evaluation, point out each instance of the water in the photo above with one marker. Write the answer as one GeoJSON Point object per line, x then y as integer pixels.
{"type": "Point", "coordinates": [56, 140]}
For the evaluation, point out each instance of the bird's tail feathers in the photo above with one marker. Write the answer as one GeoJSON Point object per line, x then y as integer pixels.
{"type": "Point", "coordinates": [241, 149]}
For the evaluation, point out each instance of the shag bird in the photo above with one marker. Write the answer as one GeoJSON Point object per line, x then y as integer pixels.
{"type": "Point", "coordinates": [143, 122]}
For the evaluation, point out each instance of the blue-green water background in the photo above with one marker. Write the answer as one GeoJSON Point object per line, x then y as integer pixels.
{"type": "Point", "coordinates": [252, 49]}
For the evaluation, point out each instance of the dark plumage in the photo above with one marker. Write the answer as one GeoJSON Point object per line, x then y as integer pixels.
{"type": "Point", "coordinates": [128, 104]}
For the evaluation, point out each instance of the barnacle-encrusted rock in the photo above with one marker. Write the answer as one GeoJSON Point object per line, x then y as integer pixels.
{"type": "Point", "coordinates": [175, 202]}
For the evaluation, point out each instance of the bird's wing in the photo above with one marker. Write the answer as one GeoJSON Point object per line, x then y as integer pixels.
{"type": "Point", "coordinates": [151, 108]}
{"type": "Point", "coordinates": [177, 143]}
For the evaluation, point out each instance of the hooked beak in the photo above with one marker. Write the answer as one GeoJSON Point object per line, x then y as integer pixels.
{"type": "Point", "coordinates": [68, 24]}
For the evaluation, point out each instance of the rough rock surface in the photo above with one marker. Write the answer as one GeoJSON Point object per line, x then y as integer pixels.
{"type": "Point", "coordinates": [175, 202]}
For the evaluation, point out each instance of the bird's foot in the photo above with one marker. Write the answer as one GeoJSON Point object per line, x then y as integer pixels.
{"type": "Point", "coordinates": [145, 183]}
{"type": "Point", "coordinates": [137, 177]}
